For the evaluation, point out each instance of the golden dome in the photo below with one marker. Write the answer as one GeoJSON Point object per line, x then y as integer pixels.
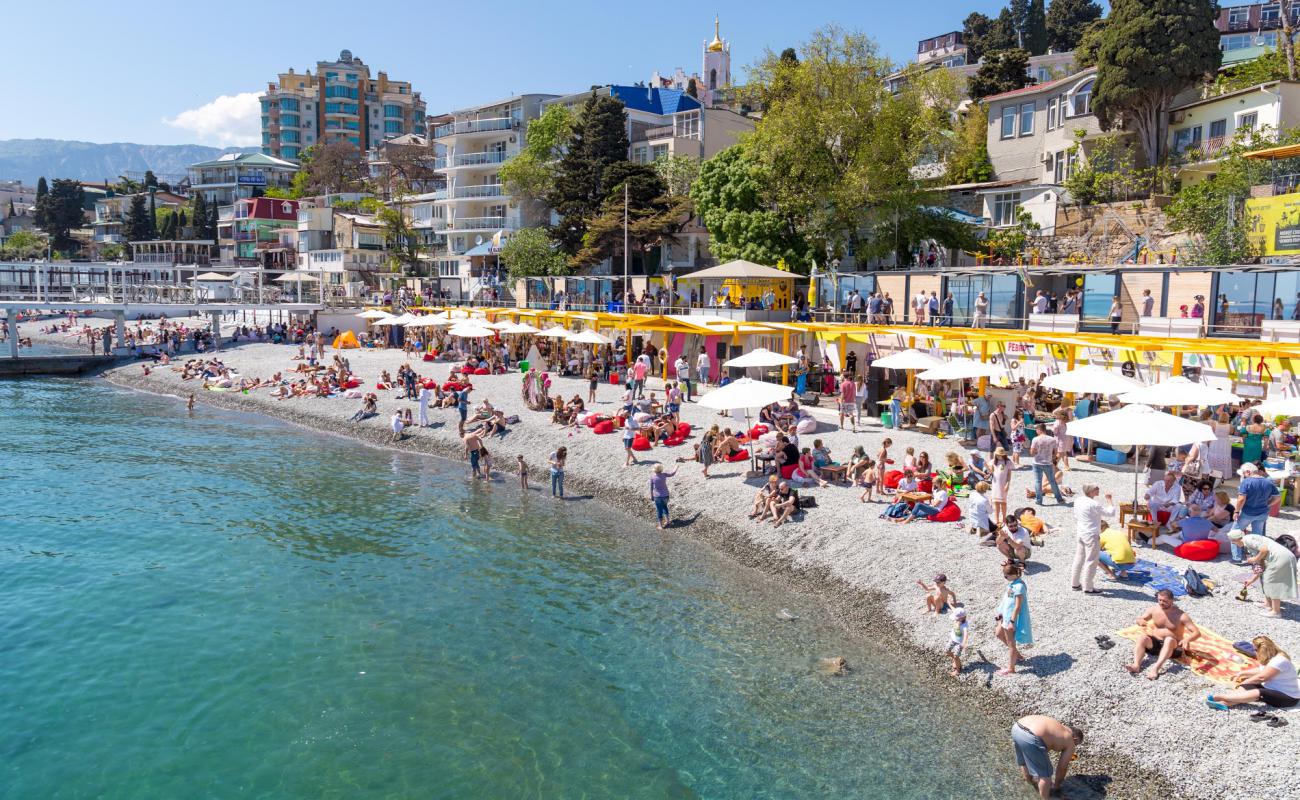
{"type": "Point", "coordinates": [716, 45]}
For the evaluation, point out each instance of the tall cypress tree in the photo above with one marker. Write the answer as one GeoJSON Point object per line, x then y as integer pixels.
{"type": "Point", "coordinates": [210, 231]}
{"type": "Point", "coordinates": [137, 221]}
{"type": "Point", "coordinates": [153, 217]}
{"type": "Point", "coordinates": [599, 139]}
{"type": "Point", "coordinates": [41, 211]}
{"type": "Point", "coordinates": [200, 215]}
{"type": "Point", "coordinates": [1036, 28]}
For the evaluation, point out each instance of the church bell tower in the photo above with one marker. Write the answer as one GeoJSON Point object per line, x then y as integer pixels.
{"type": "Point", "coordinates": [717, 66]}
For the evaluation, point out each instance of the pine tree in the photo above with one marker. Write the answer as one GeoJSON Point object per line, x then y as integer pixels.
{"type": "Point", "coordinates": [1003, 33]}
{"type": "Point", "coordinates": [1066, 22]}
{"type": "Point", "coordinates": [150, 180]}
{"type": "Point", "coordinates": [1036, 28]}
{"type": "Point", "coordinates": [692, 89]}
{"type": "Point", "coordinates": [62, 209]}
{"type": "Point", "coordinates": [42, 205]}
{"type": "Point", "coordinates": [975, 32]}
{"type": "Point", "coordinates": [153, 217]}
{"type": "Point", "coordinates": [599, 139]}
{"type": "Point", "coordinates": [181, 222]}
{"type": "Point", "coordinates": [137, 226]}
{"type": "Point", "coordinates": [200, 215]}
{"type": "Point", "coordinates": [1003, 71]}
{"type": "Point", "coordinates": [11, 207]}
{"type": "Point", "coordinates": [1018, 11]}
{"type": "Point", "coordinates": [211, 231]}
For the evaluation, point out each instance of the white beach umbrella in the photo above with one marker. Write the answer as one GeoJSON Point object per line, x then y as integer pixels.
{"type": "Point", "coordinates": [374, 313]}
{"type": "Point", "coordinates": [589, 336]}
{"type": "Point", "coordinates": [555, 333]}
{"type": "Point", "coordinates": [1137, 425]}
{"type": "Point", "coordinates": [521, 328]}
{"type": "Point", "coordinates": [957, 369]}
{"type": "Point", "coordinates": [469, 330]}
{"type": "Point", "coordinates": [759, 357]}
{"type": "Point", "coordinates": [1091, 379]}
{"type": "Point", "coordinates": [296, 277]}
{"type": "Point", "coordinates": [1281, 407]}
{"type": "Point", "coordinates": [908, 360]}
{"type": "Point", "coordinates": [746, 393]}
{"type": "Point", "coordinates": [1178, 391]}
{"type": "Point", "coordinates": [499, 326]}
{"type": "Point", "coordinates": [388, 321]}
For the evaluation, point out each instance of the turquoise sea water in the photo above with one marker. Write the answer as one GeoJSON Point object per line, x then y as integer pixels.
{"type": "Point", "coordinates": [225, 606]}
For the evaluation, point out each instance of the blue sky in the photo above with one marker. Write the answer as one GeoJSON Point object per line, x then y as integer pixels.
{"type": "Point", "coordinates": [166, 73]}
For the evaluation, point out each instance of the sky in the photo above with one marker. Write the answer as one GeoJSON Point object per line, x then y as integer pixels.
{"type": "Point", "coordinates": [190, 73]}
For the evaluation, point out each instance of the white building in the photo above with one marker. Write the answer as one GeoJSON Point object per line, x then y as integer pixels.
{"type": "Point", "coordinates": [236, 176]}
{"type": "Point", "coordinates": [1199, 130]}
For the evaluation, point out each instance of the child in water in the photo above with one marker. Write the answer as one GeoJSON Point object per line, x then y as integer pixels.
{"type": "Point", "coordinates": [523, 472]}
{"type": "Point", "coordinates": [940, 597]}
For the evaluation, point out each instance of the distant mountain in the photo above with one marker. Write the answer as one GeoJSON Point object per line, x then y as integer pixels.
{"type": "Point", "coordinates": [29, 159]}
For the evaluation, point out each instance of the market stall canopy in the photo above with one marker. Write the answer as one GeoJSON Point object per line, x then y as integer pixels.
{"type": "Point", "coordinates": [760, 357]}
{"type": "Point", "coordinates": [214, 276]}
{"type": "Point", "coordinates": [589, 336]}
{"type": "Point", "coordinates": [746, 393]}
{"type": "Point", "coordinates": [296, 277]}
{"type": "Point", "coordinates": [1138, 425]}
{"type": "Point", "coordinates": [1091, 380]}
{"type": "Point", "coordinates": [959, 368]}
{"type": "Point", "coordinates": [908, 359]}
{"type": "Point", "coordinates": [1178, 391]}
{"type": "Point", "coordinates": [739, 269]}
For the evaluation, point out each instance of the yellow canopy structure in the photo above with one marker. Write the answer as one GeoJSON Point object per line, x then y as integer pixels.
{"type": "Point", "coordinates": [346, 340]}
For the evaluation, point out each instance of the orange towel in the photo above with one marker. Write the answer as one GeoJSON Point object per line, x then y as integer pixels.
{"type": "Point", "coordinates": [1211, 656]}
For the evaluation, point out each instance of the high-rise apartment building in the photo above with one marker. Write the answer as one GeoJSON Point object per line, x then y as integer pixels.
{"type": "Point", "coordinates": [341, 102]}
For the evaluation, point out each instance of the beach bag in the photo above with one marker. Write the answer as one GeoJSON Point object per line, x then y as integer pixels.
{"type": "Point", "coordinates": [1195, 586]}
{"type": "Point", "coordinates": [807, 501]}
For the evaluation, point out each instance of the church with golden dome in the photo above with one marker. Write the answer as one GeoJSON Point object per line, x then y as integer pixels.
{"type": "Point", "coordinates": [714, 77]}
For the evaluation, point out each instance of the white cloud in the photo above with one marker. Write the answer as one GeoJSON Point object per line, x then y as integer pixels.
{"type": "Point", "coordinates": [228, 121]}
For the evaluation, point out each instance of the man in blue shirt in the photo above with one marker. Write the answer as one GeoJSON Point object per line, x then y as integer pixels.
{"type": "Point", "coordinates": [1254, 498]}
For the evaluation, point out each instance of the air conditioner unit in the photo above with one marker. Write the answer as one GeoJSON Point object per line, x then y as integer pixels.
{"type": "Point", "coordinates": [1179, 116]}
{"type": "Point", "coordinates": [1048, 156]}
{"type": "Point", "coordinates": [512, 138]}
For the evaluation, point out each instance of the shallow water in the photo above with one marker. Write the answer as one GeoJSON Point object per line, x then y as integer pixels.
{"type": "Point", "coordinates": [227, 606]}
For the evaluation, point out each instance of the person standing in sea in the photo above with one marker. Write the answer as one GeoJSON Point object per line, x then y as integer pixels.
{"type": "Point", "coordinates": [659, 494]}
{"type": "Point", "coordinates": [557, 460]}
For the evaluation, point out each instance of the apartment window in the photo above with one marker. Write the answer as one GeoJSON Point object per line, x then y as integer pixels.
{"type": "Point", "coordinates": [1009, 121]}
{"type": "Point", "coordinates": [1081, 100]}
{"type": "Point", "coordinates": [1187, 139]}
{"type": "Point", "coordinates": [658, 151]}
{"type": "Point", "coordinates": [289, 136]}
{"type": "Point", "coordinates": [1026, 119]}
{"type": "Point", "coordinates": [1239, 15]}
{"type": "Point", "coordinates": [1058, 167]}
{"type": "Point", "coordinates": [351, 124]}
{"type": "Point", "coordinates": [687, 126]}
{"type": "Point", "coordinates": [392, 110]}
{"type": "Point", "coordinates": [266, 106]}
{"type": "Point", "coordinates": [1268, 39]}
{"type": "Point", "coordinates": [1218, 131]}
{"type": "Point", "coordinates": [331, 76]}
{"type": "Point", "coordinates": [641, 154]}
{"type": "Point", "coordinates": [288, 104]}
{"type": "Point", "coordinates": [1005, 207]}
{"type": "Point", "coordinates": [289, 120]}
{"type": "Point", "coordinates": [393, 126]}
{"type": "Point", "coordinates": [352, 77]}
{"type": "Point", "coordinates": [1053, 108]}
{"type": "Point", "coordinates": [1248, 121]}
{"type": "Point", "coordinates": [1236, 41]}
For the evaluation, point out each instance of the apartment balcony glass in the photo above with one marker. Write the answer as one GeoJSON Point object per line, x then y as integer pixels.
{"type": "Point", "coordinates": [109, 238]}
{"type": "Point", "coordinates": [225, 213]}
{"type": "Point", "coordinates": [440, 163]}
{"type": "Point", "coordinates": [474, 159]}
{"type": "Point", "coordinates": [478, 224]}
{"type": "Point", "coordinates": [473, 126]}
{"type": "Point", "coordinates": [487, 190]}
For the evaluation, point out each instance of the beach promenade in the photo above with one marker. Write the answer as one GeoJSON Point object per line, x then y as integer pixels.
{"type": "Point", "coordinates": [1144, 738]}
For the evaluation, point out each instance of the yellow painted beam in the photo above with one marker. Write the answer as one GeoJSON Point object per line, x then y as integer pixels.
{"type": "Point", "coordinates": [984, 359]}
{"type": "Point", "coordinates": [785, 349]}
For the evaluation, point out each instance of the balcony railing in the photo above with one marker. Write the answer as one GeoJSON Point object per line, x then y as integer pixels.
{"type": "Point", "coordinates": [1202, 150]}
{"type": "Point", "coordinates": [109, 238]}
{"type": "Point", "coordinates": [431, 224]}
{"type": "Point", "coordinates": [440, 163]}
{"type": "Point", "coordinates": [478, 223]}
{"type": "Point", "coordinates": [486, 190]}
{"type": "Point", "coordinates": [244, 236]}
{"type": "Point", "coordinates": [473, 126]}
{"type": "Point", "coordinates": [1239, 25]}
{"type": "Point", "coordinates": [474, 159]}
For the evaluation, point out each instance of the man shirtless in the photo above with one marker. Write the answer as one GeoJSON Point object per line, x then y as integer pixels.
{"type": "Point", "coordinates": [1035, 737]}
{"type": "Point", "coordinates": [1170, 630]}
{"type": "Point", "coordinates": [473, 445]}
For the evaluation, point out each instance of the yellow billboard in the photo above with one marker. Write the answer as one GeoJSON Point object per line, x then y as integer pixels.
{"type": "Point", "coordinates": [1275, 224]}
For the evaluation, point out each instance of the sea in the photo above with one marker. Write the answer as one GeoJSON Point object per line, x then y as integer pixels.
{"type": "Point", "coordinates": [220, 605]}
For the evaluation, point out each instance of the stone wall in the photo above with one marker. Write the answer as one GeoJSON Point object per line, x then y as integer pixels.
{"type": "Point", "coordinates": [1107, 232]}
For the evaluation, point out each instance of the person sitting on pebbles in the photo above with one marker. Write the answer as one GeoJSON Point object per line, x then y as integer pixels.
{"type": "Point", "coordinates": [939, 597]}
{"type": "Point", "coordinates": [1167, 631]}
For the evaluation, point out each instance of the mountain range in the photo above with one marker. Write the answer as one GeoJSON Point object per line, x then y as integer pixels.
{"type": "Point", "coordinates": [29, 159]}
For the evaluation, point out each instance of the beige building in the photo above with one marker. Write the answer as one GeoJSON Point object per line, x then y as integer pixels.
{"type": "Point", "coordinates": [1199, 130]}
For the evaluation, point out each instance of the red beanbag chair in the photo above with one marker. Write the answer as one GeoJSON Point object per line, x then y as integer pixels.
{"type": "Point", "coordinates": [428, 356]}
{"type": "Point", "coordinates": [925, 485]}
{"type": "Point", "coordinates": [604, 426]}
{"type": "Point", "coordinates": [1163, 517]}
{"type": "Point", "coordinates": [452, 386]}
{"type": "Point", "coordinates": [381, 385]}
{"type": "Point", "coordinates": [640, 443]}
{"type": "Point", "coordinates": [892, 478]}
{"type": "Point", "coordinates": [673, 441]}
{"type": "Point", "coordinates": [787, 471]}
{"type": "Point", "coordinates": [352, 384]}
{"type": "Point", "coordinates": [1201, 550]}
{"type": "Point", "coordinates": [739, 455]}
{"type": "Point", "coordinates": [482, 371]}
{"type": "Point", "coordinates": [949, 513]}
{"type": "Point", "coordinates": [613, 380]}
{"type": "Point", "coordinates": [428, 383]}
{"type": "Point", "coordinates": [757, 431]}
{"type": "Point", "coordinates": [683, 429]}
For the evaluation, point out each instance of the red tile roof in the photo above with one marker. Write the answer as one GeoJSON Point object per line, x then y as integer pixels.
{"type": "Point", "coordinates": [1038, 87]}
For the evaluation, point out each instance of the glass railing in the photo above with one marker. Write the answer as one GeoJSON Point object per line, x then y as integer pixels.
{"type": "Point", "coordinates": [490, 190]}
{"type": "Point", "coordinates": [473, 126]}
{"type": "Point", "coordinates": [478, 223]}
{"type": "Point", "coordinates": [472, 159]}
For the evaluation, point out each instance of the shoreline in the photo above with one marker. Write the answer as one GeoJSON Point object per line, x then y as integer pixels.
{"type": "Point", "coordinates": [867, 606]}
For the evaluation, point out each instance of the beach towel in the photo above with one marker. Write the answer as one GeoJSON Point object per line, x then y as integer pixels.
{"type": "Point", "coordinates": [1211, 656]}
{"type": "Point", "coordinates": [1159, 576]}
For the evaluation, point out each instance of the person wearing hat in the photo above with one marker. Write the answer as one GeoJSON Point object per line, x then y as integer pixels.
{"type": "Point", "coordinates": [1254, 498]}
{"type": "Point", "coordinates": [1279, 580]}
{"type": "Point", "coordinates": [958, 638]}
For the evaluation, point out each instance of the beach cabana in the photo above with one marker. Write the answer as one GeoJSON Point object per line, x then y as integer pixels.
{"type": "Point", "coordinates": [743, 281]}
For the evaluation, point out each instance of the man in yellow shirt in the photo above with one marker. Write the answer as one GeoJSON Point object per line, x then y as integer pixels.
{"type": "Point", "coordinates": [1116, 553]}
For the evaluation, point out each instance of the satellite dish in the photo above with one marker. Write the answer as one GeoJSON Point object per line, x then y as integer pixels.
{"type": "Point", "coordinates": [478, 239]}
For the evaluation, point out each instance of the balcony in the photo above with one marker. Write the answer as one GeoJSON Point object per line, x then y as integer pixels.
{"type": "Point", "coordinates": [476, 159]}
{"type": "Point", "coordinates": [473, 126]}
{"type": "Point", "coordinates": [225, 213]}
{"type": "Point", "coordinates": [1198, 151]}
{"type": "Point", "coordinates": [478, 224]}
{"type": "Point", "coordinates": [109, 238]}
{"type": "Point", "coordinates": [482, 190]}
{"type": "Point", "coordinates": [244, 236]}
{"type": "Point", "coordinates": [430, 224]}
{"type": "Point", "coordinates": [1238, 26]}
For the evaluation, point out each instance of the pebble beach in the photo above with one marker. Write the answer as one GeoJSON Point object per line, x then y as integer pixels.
{"type": "Point", "coordinates": [1144, 738]}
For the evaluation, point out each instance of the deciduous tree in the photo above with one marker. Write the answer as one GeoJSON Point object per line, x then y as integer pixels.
{"type": "Point", "coordinates": [23, 245]}
{"type": "Point", "coordinates": [969, 161]}
{"type": "Point", "coordinates": [530, 174]}
{"type": "Point", "coordinates": [731, 197]}
{"type": "Point", "coordinates": [329, 168]}
{"type": "Point", "coordinates": [1151, 50]}
{"type": "Point", "coordinates": [530, 252]}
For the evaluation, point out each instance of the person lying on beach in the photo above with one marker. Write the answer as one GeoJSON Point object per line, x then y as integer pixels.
{"type": "Point", "coordinates": [1167, 632]}
{"type": "Point", "coordinates": [939, 597]}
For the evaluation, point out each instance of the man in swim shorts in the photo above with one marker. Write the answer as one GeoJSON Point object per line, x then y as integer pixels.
{"type": "Point", "coordinates": [1034, 738]}
{"type": "Point", "coordinates": [1167, 630]}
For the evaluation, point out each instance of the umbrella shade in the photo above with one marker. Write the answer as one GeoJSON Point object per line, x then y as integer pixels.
{"type": "Point", "coordinates": [908, 359]}
{"type": "Point", "coordinates": [499, 326]}
{"type": "Point", "coordinates": [296, 277]}
{"type": "Point", "coordinates": [746, 393]}
{"type": "Point", "coordinates": [1282, 407]}
{"type": "Point", "coordinates": [431, 321]}
{"type": "Point", "coordinates": [374, 313]}
{"type": "Point", "coordinates": [760, 357]}
{"type": "Point", "coordinates": [555, 333]}
{"type": "Point", "coordinates": [521, 327]}
{"type": "Point", "coordinates": [471, 331]}
{"type": "Point", "coordinates": [1140, 425]}
{"type": "Point", "coordinates": [960, 368]}
{"type": "Point", "coordinates": [389, 321]}
{"type": "Point", "coordinates": [590, 337]}
{"type": "Point", "coordinates": [214, 276]}
{"type": "Point", "coordinates": [1091, 380]}
{"type": "Point", "coordinates": [1178, 391]}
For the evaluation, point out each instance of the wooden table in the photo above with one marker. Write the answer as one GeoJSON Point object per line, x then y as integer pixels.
{"type": "Point", "coordinates": [834, 471]}
{"type": "Point", "coordinates": [1149, 530]}
{"type": "Point", "coordinates": [1126, 510]}
{"type": "Point", "coordinates": [914, 497]}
